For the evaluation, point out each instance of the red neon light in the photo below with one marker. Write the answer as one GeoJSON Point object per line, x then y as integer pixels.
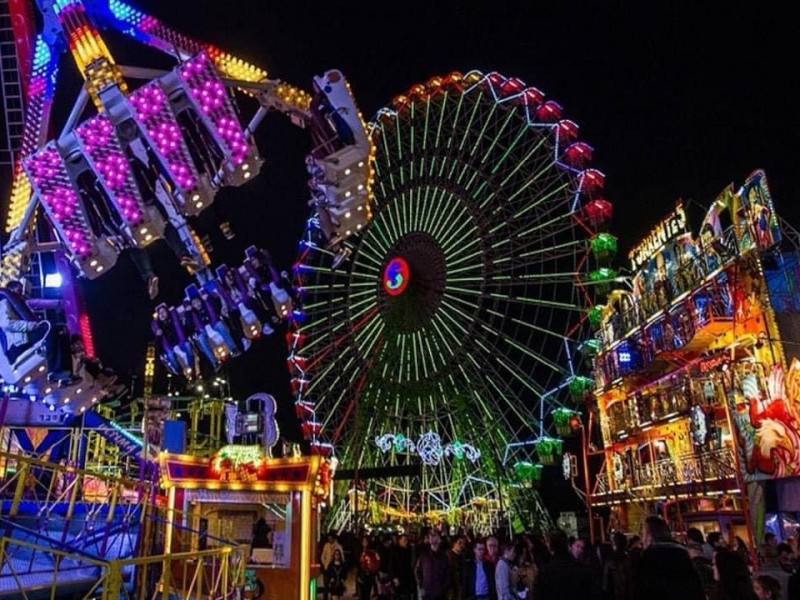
{"type": "Point", "coordinates": [86, 334]}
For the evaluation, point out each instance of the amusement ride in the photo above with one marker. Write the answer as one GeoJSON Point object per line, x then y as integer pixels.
{"type": "Point", "coordinates": [434, 315]}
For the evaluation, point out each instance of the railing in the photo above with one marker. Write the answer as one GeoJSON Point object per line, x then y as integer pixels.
{"type": "Point", "coordinates": [209, 574]}
{"type": "Point", "coordinates": [217, 574]}
{"type": "Point", "coordinates": [71, 529]}
{"type": "Point", "coordinates": [687, 469]}
{"type": "Point", "coordinates": [25, 565]}
{"type": "Point", "coordinates": [665, 287]}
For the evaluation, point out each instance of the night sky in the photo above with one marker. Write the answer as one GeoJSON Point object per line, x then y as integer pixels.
{"type": "Point", "coordinates": [676, 100]}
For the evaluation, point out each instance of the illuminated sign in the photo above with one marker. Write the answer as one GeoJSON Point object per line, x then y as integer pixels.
{"type": "Point", "coordinates": [711, 364]}
{"type": "Point", "coordinates": [669, 228]}
{"type": "Point", "coordinates": [396, 276]}
{"type": "Point", "coordinates": [239, 463]}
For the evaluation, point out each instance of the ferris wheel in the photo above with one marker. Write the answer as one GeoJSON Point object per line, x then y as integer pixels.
{"type": "Point", "coordinates": [443, 338]}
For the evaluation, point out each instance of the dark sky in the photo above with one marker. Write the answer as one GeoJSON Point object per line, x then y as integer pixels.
{"type": "Point", "coordinates": [677, 101]}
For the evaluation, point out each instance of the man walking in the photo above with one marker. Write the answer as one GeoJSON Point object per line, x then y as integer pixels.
{"type": "Point", "coordinates": [433, 570]}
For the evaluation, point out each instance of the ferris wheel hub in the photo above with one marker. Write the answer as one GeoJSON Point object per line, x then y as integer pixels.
{"type": "Point", "coordinates": [413, 282]}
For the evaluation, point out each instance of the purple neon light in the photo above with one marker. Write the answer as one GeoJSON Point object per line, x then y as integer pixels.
{"type": "Point", "coordinates": [102, 147]}
{"type": "Point", "coordinates": [154, 114]}
{"type": "Point", "coordinates": [51, 181]}
{"type": "Point", "coordinates": [204, 85]}
{"type": "Point", "coordinates": [39, 99]}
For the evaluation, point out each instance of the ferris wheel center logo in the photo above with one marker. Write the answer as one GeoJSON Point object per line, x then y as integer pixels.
{"type": "Point", "coordinates": [396, 276]}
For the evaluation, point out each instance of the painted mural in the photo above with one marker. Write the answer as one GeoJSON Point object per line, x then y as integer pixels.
{"type": "Point", "coordinates": [766, 410]}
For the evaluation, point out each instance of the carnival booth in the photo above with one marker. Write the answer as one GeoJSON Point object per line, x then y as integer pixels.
{"type": "Point", "coordinates": [268, 504]}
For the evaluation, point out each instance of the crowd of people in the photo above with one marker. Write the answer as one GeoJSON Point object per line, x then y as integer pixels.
{"type": "Point", "coordinates": [653, 566]}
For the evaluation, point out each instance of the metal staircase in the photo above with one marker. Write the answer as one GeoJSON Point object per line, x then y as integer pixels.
{"type": "Point", "coordinates": [13, 107]}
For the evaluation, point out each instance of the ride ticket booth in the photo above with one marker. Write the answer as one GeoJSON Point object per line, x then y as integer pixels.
{"type": "Point", "coordinates": [239, 493]}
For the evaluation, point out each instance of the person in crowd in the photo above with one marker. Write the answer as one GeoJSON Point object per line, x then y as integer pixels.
{"type": "Point", "coordinates": [664, 571]}
{"type": "Point", "coordinates": [766, 587]}
{"type": "Point", "coordinates": [433, 570]}
{"type": "Point", "coordinates": [623, 578]}
{"type": "Point", "coordinates": [693, 534]}
{"type": "Point", "coordinates": [503, 573]}
{"type": "Point", "coordinates": [329, 547]}
{"type": "Point", "coordinates": [577, 549]}
{"type": "Point", "coordinates": [23, 330]}
{"type": "Point", "coordinates": [732, 577]}
{"type": "Point", "coordinates": [786, 559]}
{"type": "Point", "coordinates": [716, 540]}
{"type": "Point", "coordinates": [611, 565]}
{"type": "Point", "coordinates": [477, 575]}
{"type": "Point", "coordinates": [741, 547]}
{"type": "Point", "coordinates": [563, 576]}
{"type": "Point", "coordinates": [384, 580]}
{"type": "Point", "coordinates": [792, 586]}
{"type": "Point", "coordinates": [368, 565]}
{"type": "Point", "coordinates": [769, 548]}
{"type": "Point", "coordinates": [335, 576]}
{"type": "Point", "coordinates": [492, 550]}
{"type": "Point", "coordinates": [781, 566]}
{"type": "Point", "coordinates": [403, 571]}
{"type": "Point", "coordinates": [525, 568]}
{"type": "Point", "coordinates": [455, 555]}
{"type": "Point", "coordinates": [703, 566]}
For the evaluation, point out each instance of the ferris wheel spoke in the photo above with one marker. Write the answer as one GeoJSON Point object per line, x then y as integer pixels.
{"type": "Point", "coordinates": [339, 335]}
{"type": "Point", "coordinates": [441, 353]}
{"type": "Point", "coordinates": [454, 164]}
{"type": "Point", "coordinates": [525, 161]}
{"type": "Point", "coordinates": [454, 121]}
{"type": "Point", "coordinates": [370, 255]}
{"type": "Point", "coordinates": [441, 107]}
{"type": "Point", "coordinates": [378, 244]}
{"type": "Point", "coordinates": [566, 307]}
{"type": "Point", "coordinates": [423, 209]}
{"type": "Point", "coordinates": [446, 315]}
{"type": "Point", "coordinates": [330, 389]}
{"type": "Point", "coordinates": [495, 140]}
{"type": "Point", "coordinates": [498, 377]}
{"type": "Point", "coordinates": [437, 200]}
{"type": "Point", "coordinates": [544, 226]}
{"type": "Point", "coordinates": [450, 349]}
{"type": "Point", "coordinates": [389, 172]}
{"type": "Point", "coordinates": [400, 163]}
{"type": "Point", "coordinates": [526, 352]}
{"type": "Point", "coordinates": [501, 420]}
{"type": "Point", "coordinates": [478, 375]}
{"type": "Point", "coordinates": [468, 165]}
{"type": "Point", "coordinates": [384, 228]}
{"type": "Point", "coordinates": [423, 346]}
{"type": "Point", "coordinates": [411, 139]}
{"type": "Point", "coordinates": [501, 160]}
{"type": "Point", "coordinates": [452, 223]}
{"type": "Point", "coordinates": [551, 193]}
{"type": "Point", "coordinates": [453, 234]}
